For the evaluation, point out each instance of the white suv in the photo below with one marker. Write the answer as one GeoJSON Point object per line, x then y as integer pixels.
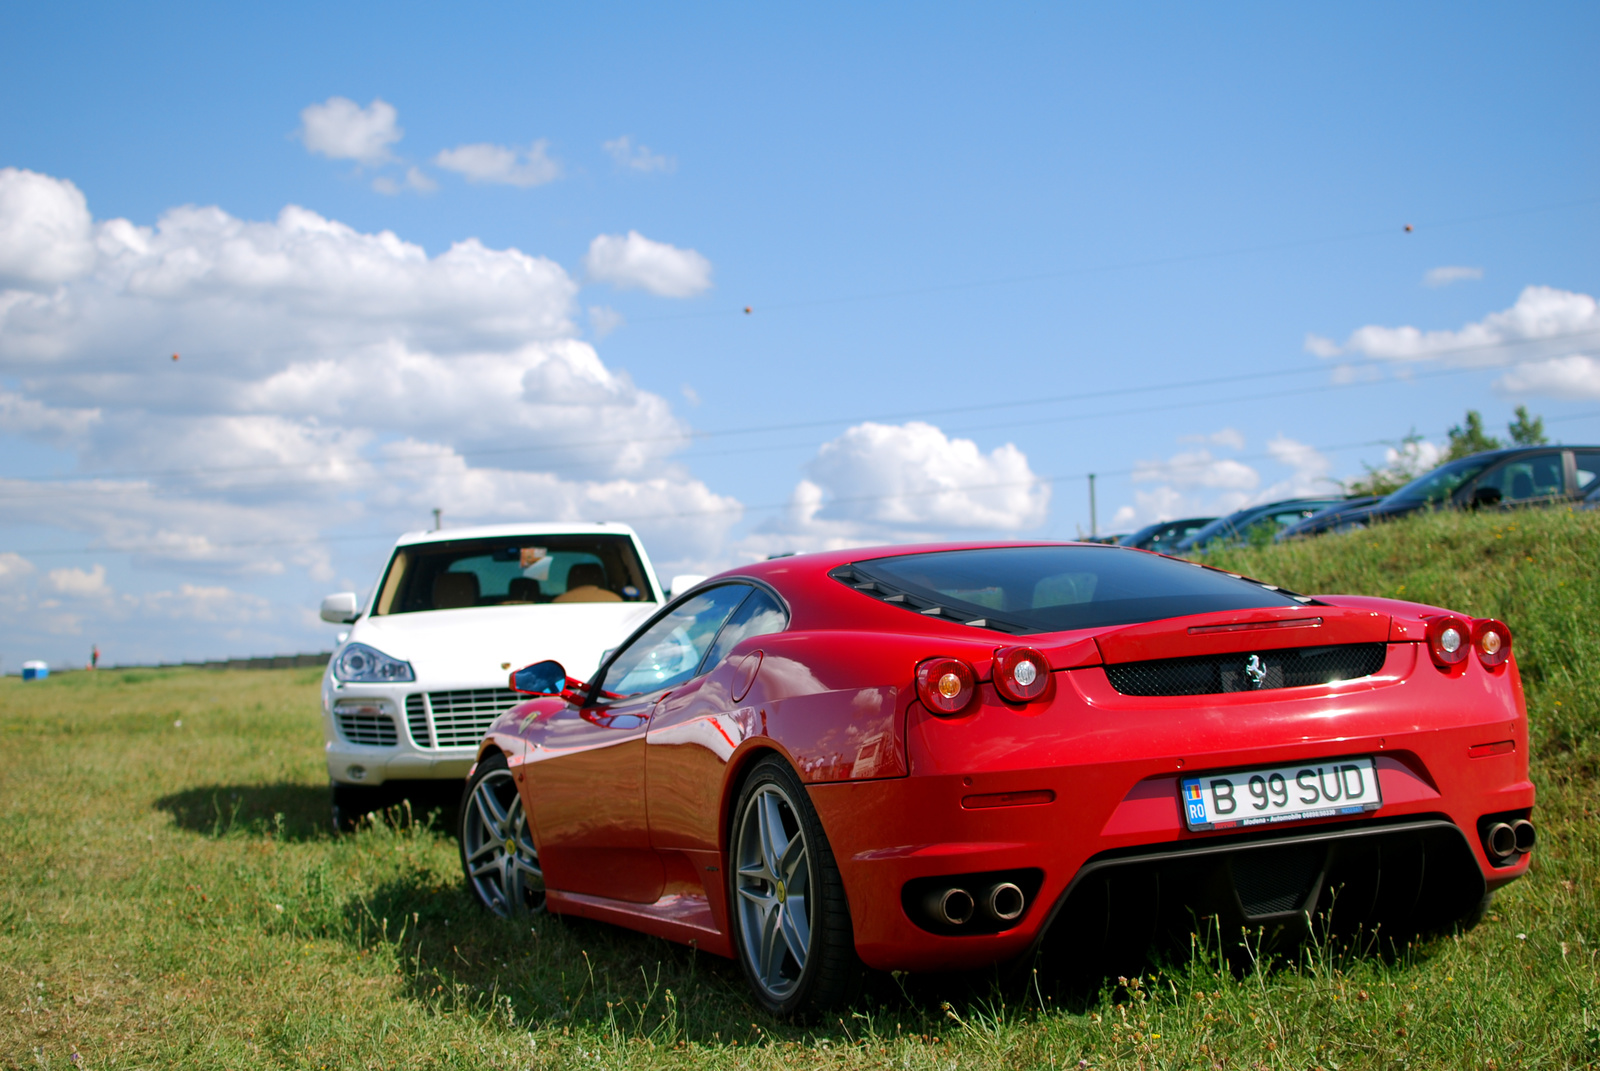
{"type": "Point", "coordinates": [424, 667]}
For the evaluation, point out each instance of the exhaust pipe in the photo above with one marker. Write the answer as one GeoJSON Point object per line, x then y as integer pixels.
{"type": "Point", "coordinates": [953, 907]}
{"type": "Point", "coordinates": [1501, 839]}
{"type": "Point", "coordinates": [1522, 830]}
{"type": "Point", "coordinates": [1003, 901]}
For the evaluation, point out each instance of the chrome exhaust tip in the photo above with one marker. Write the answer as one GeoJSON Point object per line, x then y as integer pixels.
{"type": "Point", "coordinates": [953, 906]}
{"type": "Point", "coordinates": [1501, 840]}
{"type": "Point", "coordinates": [1003, 901]}
{"type": "Point", "coordinates": [1522, 830]}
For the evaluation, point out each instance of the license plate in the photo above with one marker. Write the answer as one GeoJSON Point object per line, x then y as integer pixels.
{"type": "Point", "coordinates": [1281, 794]}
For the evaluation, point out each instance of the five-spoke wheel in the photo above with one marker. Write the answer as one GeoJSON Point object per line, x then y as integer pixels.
{"type": "Point", "coordinates": [497, 850]}
{"type": "Point", "coordinates": [791, 923]}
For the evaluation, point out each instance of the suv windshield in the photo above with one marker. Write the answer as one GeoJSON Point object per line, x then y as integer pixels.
{"type": "Point", "coordinates": [512, 570]}
{"type": "Point", "coordinates": [1053, 589]}
{"type": "Point", "coordinates": [1439, 484]}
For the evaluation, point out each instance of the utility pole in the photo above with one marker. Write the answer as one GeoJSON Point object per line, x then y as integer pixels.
{"type": "Point", "coordinates": [1094, 524]}
{"type": "Point", "coordinates": [437, 523]}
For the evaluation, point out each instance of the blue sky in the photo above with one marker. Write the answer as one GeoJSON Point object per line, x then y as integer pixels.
{"type": "Point", "coordinates": [985, 253]}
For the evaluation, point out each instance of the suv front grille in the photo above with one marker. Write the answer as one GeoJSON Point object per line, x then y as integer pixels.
{"type": "Point", "coordinates": [366, 726]}
{"type": "Point", "coordinates": [1295, 667]}
{"type": "Point", "coordinates": [455, 719]}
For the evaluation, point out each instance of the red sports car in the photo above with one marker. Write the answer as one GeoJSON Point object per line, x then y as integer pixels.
{"type": "Point", "coordinates": [931, 757]}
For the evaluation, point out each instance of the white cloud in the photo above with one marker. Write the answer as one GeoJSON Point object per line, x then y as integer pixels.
{"type": "Point", "coordinates": [633, 261]}
{"type": "Point", "coordinates": [416, 180]}
{"type": "Point", "coordinates": [1322, 347]}
{"type": "Point", "coordinates": [78, 583]}
{"type": "Point", "coordinates": [341, 129]}
{"type": "Point", "coordinates": [1229, 437]}
{"type": "Point", "coordinates": [1444, 276]}
{"type": "Point", "coordinates": [603, 320]}
{"type": "Point", "coordinates": [207, 602]}
{"type": "Point", "coordinates": [45, 234]}
{"type": "Point", "coordinates": [891, 483]}
{"type": "Point", "coordinates": [1577, 376]}
{"type": "Point", "coordinates": [637, 157]}
{"type": "Point", "coordinates": [1309, 469]}
{"type": "Point", "coordinates": [501, 165]}
{"type": "Point", "coordinates": [1198, 468]}
{"type": "Point", "coordinates": [1542, 314]}
{"type": "Point", "coordinates": [328, 377]}
{"type": "Point", "coordinates": [14, 568]}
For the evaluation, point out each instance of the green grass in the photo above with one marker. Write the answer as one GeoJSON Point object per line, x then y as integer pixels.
{"type": "Point", "coordinates": [168, 897]}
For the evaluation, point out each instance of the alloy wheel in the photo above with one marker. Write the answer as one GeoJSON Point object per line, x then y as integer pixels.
{"type": "Point", "coordinates": [497, 850]}
{"type": "Point", "coordinates": [772, 881]}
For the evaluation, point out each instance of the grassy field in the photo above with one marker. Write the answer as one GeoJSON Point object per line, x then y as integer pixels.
{"type": "Point", "coordinates": [169, 897]}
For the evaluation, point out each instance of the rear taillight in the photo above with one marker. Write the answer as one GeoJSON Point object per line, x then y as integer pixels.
{"type": "Point", "coordinates": [946, 685]}
{"type": "Point", "coordinates": [1492, 640]}
{"type": "Point", "coordinates": [1448, 640]}
{"type": "Point", "coordinates": [1020, 673]}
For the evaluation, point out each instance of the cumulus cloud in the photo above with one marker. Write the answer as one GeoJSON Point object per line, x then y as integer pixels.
{"type": "Point", "coordinates": [603, 320]}
{"type": "Point", "coordinates": [1198, 468]}
{"type": "Point", "coordinates": [1322, 347]}
{"type": "Point", "coordinates": [1543, 320]}
{"type": "Point", "coordinates": [896, 482]}
{"type": "Point", "coordinates": [415, 180]}
{"type": "Point", "coordinates": [1444, 276]}
{"type": "Point", "coordinates": [45, 231]}
{"type": "Point", "coordinates": [326, 377]}
{"type": "Point", "coordinates": [1194, 483]}
{"type": "Point", "coordinates": [501, 164]}
{"type": "Point", "coordinates": [14, 568]}
{"type": "Point", "coordinates": [78, 583]}
{"type": "Point", "coordinates": [1576, 376]}
{"type": "Point", "coordinates": [341, 129]}
{"type": "Point", "coordinates": [634, 262]}
{"type": "Point", "coordinates": [637, 157]}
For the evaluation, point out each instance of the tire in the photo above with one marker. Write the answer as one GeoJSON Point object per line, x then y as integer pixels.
{"type": "Point", "coordinates": [798, 961]}
{"type": "Point", "coordinates": [498, 856]}
{"type": "Point", "coordinates": [351, 803]}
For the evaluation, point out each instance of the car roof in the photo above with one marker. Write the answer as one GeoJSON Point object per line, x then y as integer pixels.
{"type": "Point", "coordinates": [530, 528]}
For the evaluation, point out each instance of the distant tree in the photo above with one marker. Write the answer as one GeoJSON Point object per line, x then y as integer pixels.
{"type": "Point", "coordinates": [1405, 465]}
{"type": "Point", "coordinates": [1527, 430]}
{"type": "Point", "coordinates": [1471, 438]}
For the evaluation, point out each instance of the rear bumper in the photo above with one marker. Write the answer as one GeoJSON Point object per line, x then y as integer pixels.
{"type": "Point", "coordinates": [1113, 764]}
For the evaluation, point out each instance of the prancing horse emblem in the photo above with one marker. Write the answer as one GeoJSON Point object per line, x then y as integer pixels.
{"type": "Point", "coordinates": [1256, 670]}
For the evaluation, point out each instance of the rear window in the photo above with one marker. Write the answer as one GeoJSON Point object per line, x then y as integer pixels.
{"type": "Point", "coordinates": [1054, 589]}
{"type": "Point", "coordinates": [511, 571]}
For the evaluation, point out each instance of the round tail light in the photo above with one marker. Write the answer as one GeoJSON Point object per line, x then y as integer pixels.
{"type": "Point", "coordinates": [1020, 673]}
{"type": "Point", "coordinates": [1449, 640]}
{"type": "Point", "coordinates": [1492, 640]}
{"type": "Point", "coordinates": [946, 685]}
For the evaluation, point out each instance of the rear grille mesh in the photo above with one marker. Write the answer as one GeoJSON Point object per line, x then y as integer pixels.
{"type": "Point", "coordinates": [1295, 667]}
{"type": "Point", "coordinates": [455, 719]}
{"type": "Point", "coordinates": [366, 727]}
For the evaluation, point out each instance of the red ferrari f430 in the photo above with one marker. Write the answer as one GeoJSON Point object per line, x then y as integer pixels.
{"type": "Point", "coordinates": [936, 757]}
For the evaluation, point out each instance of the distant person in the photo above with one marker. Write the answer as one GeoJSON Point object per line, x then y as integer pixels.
{"type": "Point", "coordinates": [94, 657]}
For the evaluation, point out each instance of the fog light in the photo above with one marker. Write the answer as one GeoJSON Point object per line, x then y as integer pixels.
{"type": "Point", "coordinates": [356, 773]}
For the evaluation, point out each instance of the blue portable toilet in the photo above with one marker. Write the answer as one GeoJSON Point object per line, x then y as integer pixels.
{"type": "Point", "coordinates": [35, 671]}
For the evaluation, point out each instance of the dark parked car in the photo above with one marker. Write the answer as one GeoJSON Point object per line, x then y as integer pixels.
{"type": "Point", "coordinates": [1320, 520]}
{"type": "Point", "coordinates": [1499, 479]}
{"type": "Point", "coordinates": [1236, 527]}
{"type": "Point", "coordinates": [1163, 534]}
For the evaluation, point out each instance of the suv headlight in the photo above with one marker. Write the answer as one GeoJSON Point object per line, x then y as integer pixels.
{"type": "Point", "coordinates": [360, 663]}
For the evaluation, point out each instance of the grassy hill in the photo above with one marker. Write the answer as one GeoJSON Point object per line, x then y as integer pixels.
{"type": "Point", "coordinates": [169, 897]}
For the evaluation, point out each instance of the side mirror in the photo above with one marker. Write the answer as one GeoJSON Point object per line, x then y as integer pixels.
{"type": "Point", "coordinates": [681, 583]}
{"type": "Point", "coordinates": [340, 609]}
{"type": "Point", "coordinates": [541, 678]}
{"type": "Point", "coordinates": [1486, 496]}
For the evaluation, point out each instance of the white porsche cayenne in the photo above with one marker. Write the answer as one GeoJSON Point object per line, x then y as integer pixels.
{"type": "Point", "coordinates": [423, 670]}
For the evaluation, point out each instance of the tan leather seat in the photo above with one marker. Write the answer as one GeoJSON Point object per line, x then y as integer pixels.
{"type": "Point", "coordinates": [452, 591]}
{"type": "Point", "coordinates": [586, 583]}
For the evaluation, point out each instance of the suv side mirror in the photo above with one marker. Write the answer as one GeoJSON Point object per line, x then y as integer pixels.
{"type": "Point", "coordinates": [1486, 496]}
{"type": "Point", "coordinates": [340, 609]}
{"type": "Point", "coordinates": [541, 678]}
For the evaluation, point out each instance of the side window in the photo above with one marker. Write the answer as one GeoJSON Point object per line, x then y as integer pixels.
{"type": "Point", "coordinates": [670, 651]}
{"type": "Point", "coordinates": [1588, 469]}
{"type": "Point", "coordinates": [759, 615]}
{"type": "Point", "coordinates": [1525, 478]}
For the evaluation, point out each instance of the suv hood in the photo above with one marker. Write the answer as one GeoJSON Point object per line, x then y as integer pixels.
{"type": "Point", "coordinates": [474, 647]}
